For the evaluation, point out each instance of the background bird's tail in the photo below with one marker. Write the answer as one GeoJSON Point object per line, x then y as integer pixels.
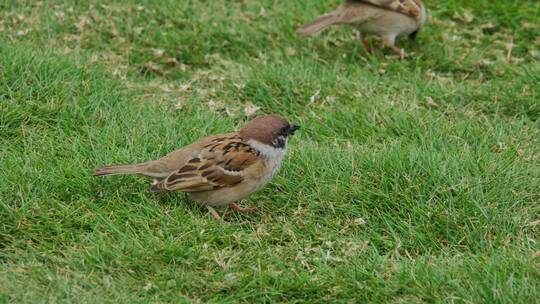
{"type": "Point", "coordinates": [318, 25]}
{"type": "Point", "coordinates": [120, 169]}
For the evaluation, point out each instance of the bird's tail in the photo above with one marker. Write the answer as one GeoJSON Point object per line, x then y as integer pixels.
{"type": "Point", "coordinates": [158, 187]}
{"type": "Point", "coordinates": [318, 25]}
{"type": "Point", "coordinates": [119, 169]}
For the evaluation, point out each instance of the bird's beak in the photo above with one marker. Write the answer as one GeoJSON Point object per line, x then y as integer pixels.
{"type": "Point", "coordinates": [293, 128]}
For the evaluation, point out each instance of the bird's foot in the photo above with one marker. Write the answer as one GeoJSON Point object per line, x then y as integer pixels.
{"type": "Point", "coordinates": [213, 213]}
{"type": "Point", "coordinates": [400, 52]}
{"type": "Point", "coordinates": [237, 208]}
{"type": "Point", "coordinates": [366, 44]}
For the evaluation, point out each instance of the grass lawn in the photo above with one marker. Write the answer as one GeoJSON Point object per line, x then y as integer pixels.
{"type": "Point", "coordinates": [411, 181]}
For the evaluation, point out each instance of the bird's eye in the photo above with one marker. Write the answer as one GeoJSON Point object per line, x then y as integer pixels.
{"type": "Point", "coordinates": [279, 142]}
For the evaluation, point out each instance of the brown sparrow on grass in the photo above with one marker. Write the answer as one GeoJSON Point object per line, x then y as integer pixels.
{"type": "Point", "coordinates": [220, 170]}
{"type": "Point", "coordinates": [388, 19]}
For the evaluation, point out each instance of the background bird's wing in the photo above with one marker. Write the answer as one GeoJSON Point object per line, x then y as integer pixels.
{"type": "Point", "coordinates": [408, 7]}
{"type": "Point", "coordinates": [220, 164]}
{"type": "Point", "coordinates": [355, 12]}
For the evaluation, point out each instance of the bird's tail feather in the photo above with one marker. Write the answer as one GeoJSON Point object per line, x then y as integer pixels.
{"type": "Point", "coordinates": [157, 187]}
{"type": "Point", "coordinates": [318, 25]}
{"type": "Point", "coordinates": [118, 169]}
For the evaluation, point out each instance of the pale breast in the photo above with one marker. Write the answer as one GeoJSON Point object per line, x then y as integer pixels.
{"type": "Point", "coordinates": [273, 158]}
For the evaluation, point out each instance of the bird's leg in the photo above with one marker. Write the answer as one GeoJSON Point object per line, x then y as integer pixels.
{"type": "Point", "coordinates": [388, 41]}
{"type": "Point", "coordinates": [399, 52]}
{"type": "Point", "coordinates": [366, 44]}
{"type": "Point", "coordinates": [359, 35]}
{"type": "Point", "coordinates": [364, 41]}
{"type": "Point", "coordinates": [237, 208]}
{"type": "Point", "coordinates": [214, 213]}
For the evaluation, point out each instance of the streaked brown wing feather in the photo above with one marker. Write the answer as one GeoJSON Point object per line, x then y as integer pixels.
{"type": "Point", "coordinates": [219, 164]}
{"type": "Point", "coordinates": [355, 14]}
{"type": "Point", "coordinates": [408, 7]}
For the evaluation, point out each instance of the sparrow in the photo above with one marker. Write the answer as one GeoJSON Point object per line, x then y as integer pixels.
{"type": "Point", "coordinates": [388, 19]}
{"type": "Point", "coordinates": [219, 170]}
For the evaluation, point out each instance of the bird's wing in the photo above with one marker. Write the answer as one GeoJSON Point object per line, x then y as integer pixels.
{"type": "Point", "coordinates": [356, 12]}
{"type": "Point", "coordinates": [410, 8]}
{"type": "Point", "coordinates": [219, 164]}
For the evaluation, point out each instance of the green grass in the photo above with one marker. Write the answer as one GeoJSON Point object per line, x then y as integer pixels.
{"type": "Point", "coordinates": [411, 181]}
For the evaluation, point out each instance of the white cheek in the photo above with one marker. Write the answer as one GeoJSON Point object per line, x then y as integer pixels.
{"type": "Point", "coordinates": [273, 156]}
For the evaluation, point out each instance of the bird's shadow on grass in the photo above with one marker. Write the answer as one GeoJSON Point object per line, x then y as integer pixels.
{"type": "Point", "coordinates": [181, 200]}
{"type": "Point", "coordinates": [165, 200]}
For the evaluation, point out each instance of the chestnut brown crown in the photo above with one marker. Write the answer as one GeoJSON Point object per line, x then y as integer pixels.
{"type": "Point", "coordinates": [270, 129]}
